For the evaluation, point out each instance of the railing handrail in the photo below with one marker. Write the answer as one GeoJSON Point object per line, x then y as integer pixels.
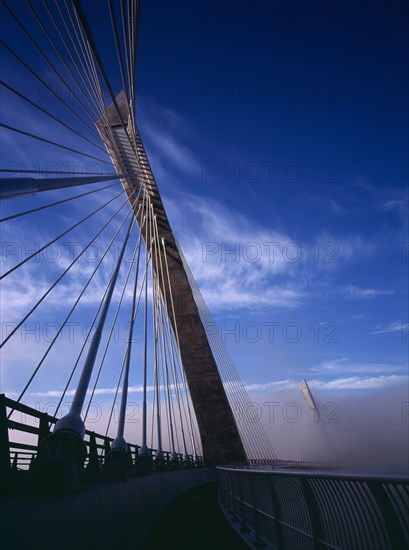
{"type": "Point", "coordinates": [16, 447]}
{"type": "Point", "coordinates": [347, 476]}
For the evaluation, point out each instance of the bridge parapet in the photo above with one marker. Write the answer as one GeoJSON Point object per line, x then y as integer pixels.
{"type": "Point", "coordinates": [23, 428]}
{"type": "Point", "coordinates": [320, 510]}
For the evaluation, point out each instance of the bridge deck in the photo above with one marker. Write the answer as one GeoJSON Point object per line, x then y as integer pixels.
{"type": "Point", "coordinates": [102, 515]}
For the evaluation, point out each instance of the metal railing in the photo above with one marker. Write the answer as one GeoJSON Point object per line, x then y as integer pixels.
{"type": "Point", "coordinates": [18, 455]}
{"type": "Point", "coordinates": [316, 510]}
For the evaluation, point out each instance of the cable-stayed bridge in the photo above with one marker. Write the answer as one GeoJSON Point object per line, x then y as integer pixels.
{"type": "Point", "coordinates": [124, 267]}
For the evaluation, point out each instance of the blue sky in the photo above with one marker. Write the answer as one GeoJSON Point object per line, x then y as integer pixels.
{"type": "Point", "coordinates": [292, 129]}
{"type": "Point", "coordinates": [278, 135]}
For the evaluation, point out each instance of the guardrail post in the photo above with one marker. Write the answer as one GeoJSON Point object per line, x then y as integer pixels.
{"type": "Point", "coordinates": [393, 525]}
{"type": "Point", "coordinates": [244, 528]}
{"type": "Point", "coordinates": [44, 428]}
{"type": "Point", "coordinates": [131, 462]}
{"type": "Point", "coordinates": [277, 515]}
{"type": "Point", "coordinates": [314, 513]}
{"type": "Point", "coordinates": [15, 462]}
{"type": "Point", "coordinates": [107, 448]}
{"type": "Point", "coordinates": [258, 541]}
{"type": "Point", "coordinates": [235, 517]}
{"type": "Point", "coordinates": [4, 436]}
{"type": "Point", "coordinates": [92, 468]}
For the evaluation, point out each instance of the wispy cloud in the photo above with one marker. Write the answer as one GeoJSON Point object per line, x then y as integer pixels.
{"type": "Point", "coordinates": [344, 365]}
{"type": "Point", "coordinates": [346, 383]}
{"type": "Point", "coordinates": [394, 326]}
{"type": "Point", "coordinates": [395, 204]}
{"type": "Point", "coordinates": [234, 260]}
{"type": "Point", "coordinates": [356, 292]}
{"type": "Point", "coordinates": [167, 135]}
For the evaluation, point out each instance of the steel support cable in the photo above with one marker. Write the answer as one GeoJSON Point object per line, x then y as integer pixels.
{"type": "Point", "coordinates": [176, 337]}
{"type": "Point", "coordinates": [111, 331]}
{"type": "Point", "coordinates": [107, 135]}
{"type": "Point", "coordinates": [156, 365]}
{"type": "Point", "coordinates": [82, 60]}
{"type": "Point", "coordinates": [84, 24]}
{"type": "Point", "coordinates": [171, 297]}
{"type": "Point", "coordinates": [82, 387]}
{"type": "Point", "coordinates": [39, 171]}
{"type": "Point", "coordinates": [88, 67]}
{"type": "Point", "coordinates": [174, 321]}
{"type": "Point", "coordinates": [12, 187]}
{"type": "Point", "coordinates": [84, 344]}
{"type": "Point", "coordinates": [293, 445]}
{"type": "Point", "coordinates": [155, 296]}
{"type": "Point", "coordinates": [117, 46]}
{"type": "Point", "coordinates": [167, 409]}
{"type": "Point", "coordinates": [47, 292]}
{"type": "Point", "coordinates": [93, 79]}
{"type": "Point", "coordinates": [167, 414]}
{"type": "Point", "coordinates": [233, 388]}
{"type": "Point", "coordinates": [155, 354]}
{"type": "Point", "coordinates": [86, 60]}
{"type": "Point", "coordinates": [144, 449]}
{"type": "Point", "coordinates": [78, 298]}
{"type": "Point", "coordinates": [43, 55]}
{"type": "Point", "coordinates": [59, 236]}
{"type": "Point", "coordinates": [126, 42]}
{"type": "Point", "coordinates": [51, 116]}
{"type": "Point", "coordinates": [161, 277]}
{"type": "Point", "coordinates": [170, 405]}
{"type": "Point", "coordinates": [288, 436]}
{"type": "Point", "coordinates": [236, 386]}
{"type": "Point", "coordinates": [44, 83]}
{"type": "Point", "coordinates": [89, 98]}
{"type": "Point", "coordinates": [123, 361]}
{"type": "Point", "coordinates": [91, 116]}
{"type": "Point", "coordinates": [124, 396]}
{"type": "Point", "coordinates": [297, 442]}
{"type": "Point", "coordinates": [124, 358]}
{"type": "Point", "coordinates": [171, 338]}
{"type": "Point", "coordinates": [187, 408]}
{"type": "Point", "coordinates": [20, 60]}
{"type": "Point", "coordinates": [130, 40]}
{"type": "Point", "coordinates": [88, 64]}
{"type": "Point", "coordinates": [188, 416]}
{"type": "Point", "coordinates": [164, 363]}
{"type": "Point", "coordinates": [155, 320]}
{"type": "Point", "coordinates": [49, 205]}
{"type": "Point", "coordinates": [284, 439]}
{"type": "Point", "coordinates": [153, 417]}
{"type": "Point", "coordinates": [91, 73]}
{"type": "Point", "coordinates": [300, 451]}
{"type": "Point", "coordinates": [129, 34]}
{"type": "Point", "coordinates": [136, 19]}
{"type": "Point", "coordinates": [132, 36]}
{"type": "Point", "coordinates": [44, 140]}
{"type": "Point", "coordinates": [113, 325]}
{"type": "Point", "coordinates": [237, 389]}
{"type": "Point", "coordinates": [131, 25]}
{"type": "Point", "coordinates": [170, 353]}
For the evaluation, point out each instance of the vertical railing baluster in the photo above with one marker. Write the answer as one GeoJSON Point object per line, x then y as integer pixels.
{"type": "Point", "coordinates": [4, 437]}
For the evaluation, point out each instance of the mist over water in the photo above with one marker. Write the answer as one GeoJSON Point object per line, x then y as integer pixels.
{"type": "Point", "coordinates": [357, 431]}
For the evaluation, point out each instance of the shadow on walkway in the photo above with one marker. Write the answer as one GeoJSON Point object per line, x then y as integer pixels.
{"type": "Point", "coordinates": [194, 521]}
